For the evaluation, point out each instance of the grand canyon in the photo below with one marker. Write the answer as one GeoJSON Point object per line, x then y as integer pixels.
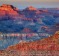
{"type": "Point", "coordinates": [29, 32]}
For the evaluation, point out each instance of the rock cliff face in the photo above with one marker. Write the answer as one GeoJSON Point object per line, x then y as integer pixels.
{"type": "Point", "coordinates": [50, 43]}
{"type": "Point", "coordinates": [8, 12]}
{"type": "Point", "coordinates": [47, 46]}
{"type": "Point", "coordinates": [31, 8]}
{"type": "Point", "coordinates": [35, 19]}
{"type": "Point", "coordinates": [8, 7]}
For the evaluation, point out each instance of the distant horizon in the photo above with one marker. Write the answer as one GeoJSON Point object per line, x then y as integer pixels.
{"type": "Point", "coordinates": [19, 7]}
{"type": "Point", "coordinates": [21, 4]}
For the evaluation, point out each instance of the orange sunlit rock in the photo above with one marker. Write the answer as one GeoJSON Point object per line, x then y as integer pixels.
{"type": "Point", "coordinates": [8, 10]}
{"type": "Point", "coordinates": [7, 7]}
{"type": "Point", "coordinates": [50, 43]}
{"type": "Point", "coordinates": [31, 8]}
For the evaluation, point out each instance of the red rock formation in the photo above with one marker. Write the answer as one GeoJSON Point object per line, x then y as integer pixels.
{"type": "Point", "coordinates": [48, 46]}
{"type": "Point", "coordinates": [8, 10]}
{"type": "Point", "coordinates": [50, 43]}
{"type": "Point", "coordinates": [7, 7]}
{"type": "Point", "coordinates": [31, 8]}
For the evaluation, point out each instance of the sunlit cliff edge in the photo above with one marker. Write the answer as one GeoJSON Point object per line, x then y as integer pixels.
{"type": "Point", "coordinates": [50, 44]}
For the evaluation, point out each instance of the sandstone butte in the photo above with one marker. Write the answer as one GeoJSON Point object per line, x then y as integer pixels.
{"type": "Point", "coordinates": [8, 9]}
{"type": "Point", "coordinates": [31, 8]}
